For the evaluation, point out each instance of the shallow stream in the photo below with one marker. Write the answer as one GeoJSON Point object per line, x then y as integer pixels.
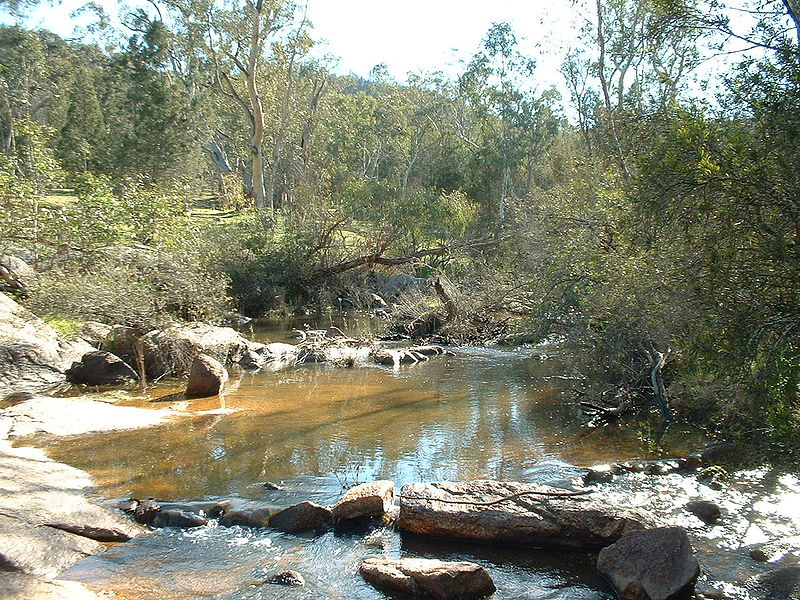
{"type": "Point", "coordinates": [316, 430]}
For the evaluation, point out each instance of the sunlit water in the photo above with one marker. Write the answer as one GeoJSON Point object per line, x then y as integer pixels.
{"type": "Point", "coordinates": [316, 430]}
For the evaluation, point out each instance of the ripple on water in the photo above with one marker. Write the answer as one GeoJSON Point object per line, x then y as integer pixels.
{"type": "Point", "coordinates": [486, 413]}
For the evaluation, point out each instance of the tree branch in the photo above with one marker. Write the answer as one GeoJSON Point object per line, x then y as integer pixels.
{"type": "Point", "coordinates": [378, 258]}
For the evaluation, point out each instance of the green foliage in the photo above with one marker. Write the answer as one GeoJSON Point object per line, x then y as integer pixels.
{"type": "Point", "coordinates": [34, 157]}
{"type": "Point", "coordinates": [84, 134]}
{"type": "Point", "coordinates": [140, 288]}
{"type": "Point", "coordinates": [655, 225]}
{"type": "Point", "coordinates": [67, 326]}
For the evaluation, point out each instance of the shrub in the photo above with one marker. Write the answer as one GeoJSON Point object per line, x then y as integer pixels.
{"type": "Point", "coordinates": [140, 288]}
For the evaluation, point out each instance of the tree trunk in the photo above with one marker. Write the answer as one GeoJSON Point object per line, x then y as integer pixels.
{"type": "Point", "coordinates": [257, 110]}
{"type": "Point", "coordinates": [140, 365]}
{"type": "Point", "coordinates": [283, 117]}
{"type": "Point", "coordinates": [793, 9]}
{"type": "Point", "coordinates": [449, 306]}
{"type": "Point", "coordinates": [657, 361]}
{"type": "Point", "coordinates": [604, 86]}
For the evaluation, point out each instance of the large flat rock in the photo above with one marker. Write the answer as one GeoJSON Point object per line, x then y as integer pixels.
{"type": "Point", "coordinates": [34, 491]}
{"type": "Point", "coordinates": [71, 416]}
{"type": "Point", "coordinates": [513, 514]}
{"type": "Point", "coordinates": [32, 354]}
{"type": "Point", "coordinates": [37, 492]}
{"type": "Point", "coordinates": [18, 586]}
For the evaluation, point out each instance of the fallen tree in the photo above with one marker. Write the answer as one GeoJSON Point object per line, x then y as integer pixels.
{"type": "Point", "coordinates": [379, 257]}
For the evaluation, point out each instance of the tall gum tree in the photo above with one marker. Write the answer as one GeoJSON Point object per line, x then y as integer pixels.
{"type": "Point", "coordinates": [239, 36]}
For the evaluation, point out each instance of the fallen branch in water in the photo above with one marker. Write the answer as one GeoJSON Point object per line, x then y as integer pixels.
{"type": "Point", "coordinates": [99, 534]}
{"type": "Point", "coordinates": [505, 498]}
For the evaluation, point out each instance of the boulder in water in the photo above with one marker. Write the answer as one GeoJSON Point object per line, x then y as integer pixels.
{"type": "Point", "coordinates": [705, 510]}
{"type": "Point", "coordinates": [178, 518]}
{"type": "Point", "coordinates": [146, 510]}
{"type": "Point", "coordinates": [650, 564]}
{"type": "Point", "coordinates": [429, 578]}
{"type": "Point", "coordinates": [373, 499]}
{"type": "Point", "coordinates": [529, 515]}
{"type": "Point", "coordinates": [258, 517]}
{"type": "Point", "coordinates": [304, 516]}
{"type": "Point", "coordinates": [207, 377]}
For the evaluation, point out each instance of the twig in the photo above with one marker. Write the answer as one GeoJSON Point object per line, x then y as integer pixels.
{"type": "Point", "coordinates": [505, 498]}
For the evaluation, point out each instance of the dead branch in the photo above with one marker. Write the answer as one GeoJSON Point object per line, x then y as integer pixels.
{"type": "Point", "coordinates": [378, 257]}
{"type": "Point", "coordinates": [566, 494]}
{"type": "Point", "coordinates": [447, 301]}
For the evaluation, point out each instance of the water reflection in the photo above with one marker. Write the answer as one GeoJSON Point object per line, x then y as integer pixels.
{"type": "Point", "coordinates": [482, 414]}
{"type": "Point", "coordinates": [316, 430]}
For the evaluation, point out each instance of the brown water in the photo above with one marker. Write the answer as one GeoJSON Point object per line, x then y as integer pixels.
{"type": "Point", "coordinates": [485, 413]}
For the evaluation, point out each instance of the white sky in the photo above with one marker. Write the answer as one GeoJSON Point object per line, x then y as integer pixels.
{"type": "Point", "coordinates": [430, 35]}
{"type": "Point", "coordinates": [407, 35]}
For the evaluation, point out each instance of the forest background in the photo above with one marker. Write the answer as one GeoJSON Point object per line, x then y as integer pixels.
{"type": "Point", "coordinates": [205, 161]}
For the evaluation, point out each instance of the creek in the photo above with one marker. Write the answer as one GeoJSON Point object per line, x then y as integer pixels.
{"type": "Point", "coordinates": [316, 430]}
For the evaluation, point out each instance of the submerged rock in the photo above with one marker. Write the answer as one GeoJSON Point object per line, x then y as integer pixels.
{"type": "Point", "coordinates": [206, 378]}
{"type": "Point", "coordinates": [101, 368]}
{"type": "Point", "coordinates": [145, 511]}
{"type": "Point", "coordinates": [290, 578]}
{"type": "Point", "coordinates": [211, 510]}
{"type": "Point", "coordinates": [782, 583]}
{"type": "Point", "coordinates": [429, 578]}
{"type": "Point", "coordinates": [601, 474]}
{"type": "Point", "coordinates": [705, 510]}
{"type": "Point", "coordinates": [776, 549]}
{"type": "Point", "coordinates": [650, 564]}
{"type": "Point", "coordinates": [304, 516]}
{"type": "Point", "coordinates": [178, 518]}
{"type": "Point", "coordinates": [373, 499]}
{"type": "Point", "coordinates": [258, 517]}
{"type": "Point", "coordinates": [528, 515]}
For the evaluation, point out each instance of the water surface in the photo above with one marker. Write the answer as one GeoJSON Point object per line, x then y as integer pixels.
{"type": "Point", "coordinates": [316, 430]}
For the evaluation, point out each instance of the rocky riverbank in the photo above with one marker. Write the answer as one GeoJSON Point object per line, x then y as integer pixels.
{"type": "Point", "coordinates": [474, 516]}
{"type": "Point", "coordinates": [46, 521]}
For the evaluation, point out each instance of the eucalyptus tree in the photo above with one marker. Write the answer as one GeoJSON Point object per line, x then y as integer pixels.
{"type": "Point", "coordinates": [504, 121]}
{"type": "Point", "coordinates": [23, 64]}
{"type": "Point", "coordinates": [632, 58]}
{"type": "Point", "coordinates": [240, 35]}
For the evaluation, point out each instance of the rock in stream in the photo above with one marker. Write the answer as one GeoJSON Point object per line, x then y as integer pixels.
{"type": "Point", "coordinates": [510, 513]}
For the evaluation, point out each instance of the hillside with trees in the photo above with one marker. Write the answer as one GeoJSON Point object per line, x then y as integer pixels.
{"type": "Point", "coordinates": [207, 163]}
